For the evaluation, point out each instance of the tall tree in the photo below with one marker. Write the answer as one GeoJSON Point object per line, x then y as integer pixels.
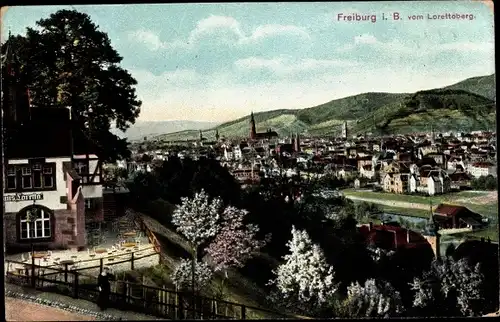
{"type": "Point", "coordinates": [68, 62]}
{"type": "Point", "coordinates": [197, 219]}
{"type": "Point", "coordinates": [235, 243]}
{"type": "Point", "coordinates": [304, 281]}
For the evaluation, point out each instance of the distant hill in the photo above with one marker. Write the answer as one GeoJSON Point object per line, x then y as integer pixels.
{"type": "Point", "coordinates": [150, 129]}
{"type": "Point", "coordinates": [484, 86]}
{"type": "Point", "coordinates": [467, 105]}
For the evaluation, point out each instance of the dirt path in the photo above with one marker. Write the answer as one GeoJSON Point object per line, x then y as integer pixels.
{"type": "Point", "coordinates": [391, 203]}
{"type": "Point", "coordinates": [19, 310]}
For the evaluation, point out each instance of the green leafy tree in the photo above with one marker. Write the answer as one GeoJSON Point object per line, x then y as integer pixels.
{"type": "Point", "coordinates": [68, 62]}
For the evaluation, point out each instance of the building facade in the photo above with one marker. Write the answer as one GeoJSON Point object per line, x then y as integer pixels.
{"type": "Point", "coordinates": [52, 173]}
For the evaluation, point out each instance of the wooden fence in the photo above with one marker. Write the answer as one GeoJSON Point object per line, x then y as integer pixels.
{"type": "Point", "coordinates": [140, 225]}
{"type": "Point", "coordinates": [151, 236]}
{"type": "Point", "coordinates": [151, 300]}
{"type": "Point", "coordinates": [100, 264]}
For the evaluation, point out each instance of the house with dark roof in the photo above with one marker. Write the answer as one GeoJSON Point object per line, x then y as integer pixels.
{"type": "Point", "coordinates": [392, 237]}
{"type": "Point", "coordinates": [449, 216]}
{"type": "Point", "coordinates": [460, 180]}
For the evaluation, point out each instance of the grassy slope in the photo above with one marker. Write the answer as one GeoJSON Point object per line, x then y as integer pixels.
{"type": "Point", "coordinates": [458, 198]}
{"type": "Point", "coordinates": [466, 105]}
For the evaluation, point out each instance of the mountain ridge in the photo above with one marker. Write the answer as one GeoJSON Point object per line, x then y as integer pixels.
{"type": "Point", "coordinates": [374, 112]}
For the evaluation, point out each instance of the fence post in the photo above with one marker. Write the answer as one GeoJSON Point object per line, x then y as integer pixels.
{"type": "Point", "coordinates": [101, 264]}
{"type": "Point", "coordinates": [33, 280]}
{"type": "Point", "coordinates": [243, 312]}
{"type": "Point", "coordinates": [75, 285]}
{"type": "Point", "coordinates": [66, 273]}
{"type": "Point", "coordinates": [132, 262]}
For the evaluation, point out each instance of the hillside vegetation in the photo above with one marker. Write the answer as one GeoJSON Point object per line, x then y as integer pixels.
{"type": "Point", "coordinates": [467, 105]}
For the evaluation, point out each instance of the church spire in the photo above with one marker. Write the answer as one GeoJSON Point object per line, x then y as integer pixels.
{"type": "Point", "coordinates": [253, 132]}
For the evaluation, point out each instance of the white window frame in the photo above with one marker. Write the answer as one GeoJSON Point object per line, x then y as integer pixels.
{"type": "Point", "coordinates": [26, 171]}
{"type": "Point", "coordinates": [44, 219]}
{"type": "Point", "coordinates": [26, 174]}
{"type": "Point", "coordinates": [88, 203]}
{"type": "Point", "coordinates": [48, 171]}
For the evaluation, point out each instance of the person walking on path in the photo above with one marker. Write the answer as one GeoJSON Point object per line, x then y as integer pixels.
{"type": "Point", "coordinates": [103, 282]}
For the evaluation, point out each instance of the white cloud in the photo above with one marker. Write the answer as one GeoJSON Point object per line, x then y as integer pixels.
{"type": "Point", "coordinates": [285, 66]}
{"type": "Point", "coordinates": [214, 25]}
{"type": "Point", "coordinates": [365, 39]}
{"type": "Point", "coordinates": [220, 28]}
{"type": "Point", "coordinates": [396, 47]}
{"type": "Point", "coordinates": [268, 31]}
{"type": "Point", "coordinates": [147, 38]}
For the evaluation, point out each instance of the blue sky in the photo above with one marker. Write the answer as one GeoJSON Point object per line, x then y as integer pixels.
{"type": "Point", "coordinates": [217, 62]}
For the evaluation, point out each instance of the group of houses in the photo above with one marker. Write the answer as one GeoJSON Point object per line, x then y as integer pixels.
{"type": "Point", "coordinates": [423, 163]}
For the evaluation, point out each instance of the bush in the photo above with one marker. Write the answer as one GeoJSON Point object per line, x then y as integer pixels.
{"type": "Point", "coordinates": [484, 183]}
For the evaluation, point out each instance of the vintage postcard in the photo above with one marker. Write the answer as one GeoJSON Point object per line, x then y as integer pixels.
{"type": "Point", "coordinates": [249, 161]}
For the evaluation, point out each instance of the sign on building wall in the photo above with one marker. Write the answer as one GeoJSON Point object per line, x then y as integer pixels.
{"type": "Point", "coordinates": [23, 197]}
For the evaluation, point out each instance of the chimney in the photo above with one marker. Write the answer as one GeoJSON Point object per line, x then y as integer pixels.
{"type": "Point", "coordinates": [370, 225]}
{"type": "Point", "coordinates": [482, 239]}
{"type": "Point", "coordinates": [408, 236]}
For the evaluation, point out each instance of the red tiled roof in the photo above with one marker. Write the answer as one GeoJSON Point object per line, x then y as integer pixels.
{"type": "Point", "coordinates": [449, 210]}
{"type": "Point", "coordinates": [401, 235]}
{"type": "Point", "coordinates": [482, 164]}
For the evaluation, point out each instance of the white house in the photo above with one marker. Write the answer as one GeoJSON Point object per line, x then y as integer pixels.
{"type": "Point", "coordinates": [478, 169]}
{"type": "Point", "coordinates": [237, 153]}
{"type": "Point", "coordinates": [367, 171]}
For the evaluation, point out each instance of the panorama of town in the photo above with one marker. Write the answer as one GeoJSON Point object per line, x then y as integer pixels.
{"type": "Point", "coordinates": [352, 223]}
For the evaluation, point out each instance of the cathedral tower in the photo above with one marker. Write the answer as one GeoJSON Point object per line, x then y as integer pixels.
{"type": "Point", "coordinates": [253, 132]}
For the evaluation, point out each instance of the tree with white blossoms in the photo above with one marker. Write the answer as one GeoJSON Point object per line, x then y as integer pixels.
{"type": "Point", "coordinates": [182, 275]}
{"type": "Point", "coordinates": [379, 254]}
{"type": "Point", "coordinates": [449, 284]}
{"type": "Point", "coordinates": [305, 281]}
{"type": "Point", "coordinates": [373, 299]}
{"type": "Point", "coordinates": [197, 219]}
